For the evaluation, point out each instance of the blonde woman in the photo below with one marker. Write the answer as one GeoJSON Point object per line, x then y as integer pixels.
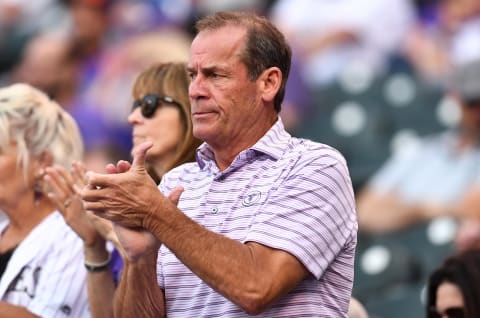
{"type": "Point", "coordinates": [41, 261]}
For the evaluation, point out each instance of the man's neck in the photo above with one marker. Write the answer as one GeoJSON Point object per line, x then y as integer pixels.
{"type": "Point", "coordinates": [227, 152]}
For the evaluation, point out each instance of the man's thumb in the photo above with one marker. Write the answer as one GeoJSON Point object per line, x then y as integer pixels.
{"type": "Point", "coordinates": [139, 155]}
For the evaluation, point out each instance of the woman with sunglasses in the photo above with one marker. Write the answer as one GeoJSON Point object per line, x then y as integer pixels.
{"type": "Point", "coordinates": [161, 114]}
{"type": "Point", "coordinates": [453, 290]}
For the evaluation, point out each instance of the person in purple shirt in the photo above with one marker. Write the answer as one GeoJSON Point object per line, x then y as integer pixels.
{"type": "Point", "coordinates": [262, 223]}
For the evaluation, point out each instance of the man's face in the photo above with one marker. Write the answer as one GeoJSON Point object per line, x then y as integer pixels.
{"type": "Point", "coordinates": [225, 103]}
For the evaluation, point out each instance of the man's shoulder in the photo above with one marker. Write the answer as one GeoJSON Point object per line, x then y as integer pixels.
{"type": "Point", "coordinates": [189, 168]}
{"type": "Point", "coordinates": [309, 150]}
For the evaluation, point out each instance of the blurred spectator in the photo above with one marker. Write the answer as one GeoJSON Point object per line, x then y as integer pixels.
{"type": "Point", "coordinates": [330, 36]}
{"type": "Point", "coordinates": [45, 64]}
{"type": "Point", "coordinates": [297, 103]}
{"type": "Point", "coordinates": [20, 20]}
{"type": "Point", "coordinates": [468, 233]}
{"type": "Point", "coordinates": [90, 24]}
{"type": "Point", "coordinates": [206, 7]}
{"type": "Point", "coordinates": [448, 36]}
{"type": "Point", "coordinates": [453, 289]}
{"type": "Point", "coordinates": [90, 40]}
{"type": "Point", "coordinates": [428, 180]}
{"type": "Point", "coordinates": [107, 69]}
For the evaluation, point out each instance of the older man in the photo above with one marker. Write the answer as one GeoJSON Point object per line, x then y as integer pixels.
{"type": "Point", "coordinates": [265, 223]}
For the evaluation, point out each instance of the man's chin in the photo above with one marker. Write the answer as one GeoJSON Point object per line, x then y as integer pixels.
{"type": "Point", "coordinates": [202, 134]}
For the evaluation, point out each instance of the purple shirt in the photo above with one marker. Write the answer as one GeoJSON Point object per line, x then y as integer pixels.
{"type": "Point", "coordinates": [286, 193]}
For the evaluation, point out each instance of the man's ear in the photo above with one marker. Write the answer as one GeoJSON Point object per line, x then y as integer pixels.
{"type": "Point", "coordinates": [270, 81]}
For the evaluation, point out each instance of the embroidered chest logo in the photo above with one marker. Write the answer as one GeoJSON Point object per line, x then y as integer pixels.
{"type": "Point", "coordinates": [251, 198]}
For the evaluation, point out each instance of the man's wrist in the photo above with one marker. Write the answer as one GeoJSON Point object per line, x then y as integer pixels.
{"type": "Point", "coordinates": [153, 219]}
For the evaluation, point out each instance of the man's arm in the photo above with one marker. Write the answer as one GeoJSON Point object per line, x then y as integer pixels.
{"type": "Point", "coordinates": [138, 294]}
{"type": "Point", "coordinates": [251, 275]}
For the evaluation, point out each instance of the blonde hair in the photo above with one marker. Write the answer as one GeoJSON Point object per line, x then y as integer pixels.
{"type": "Point", "coordinates": [171, 79]}
{"type": "Point", "coordinates": [37, 125]}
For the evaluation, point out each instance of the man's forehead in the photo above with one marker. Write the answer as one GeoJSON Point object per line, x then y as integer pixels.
{"type": "Point", "coordinates": [208, 64]}
{"type": "Point", "coordinates": [211, 49]}
{"type": "Point", "coordinates": [227, 36]}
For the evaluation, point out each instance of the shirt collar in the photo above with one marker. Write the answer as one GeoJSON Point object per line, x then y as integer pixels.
{"type": "Point", "coordinates": [273, 144]}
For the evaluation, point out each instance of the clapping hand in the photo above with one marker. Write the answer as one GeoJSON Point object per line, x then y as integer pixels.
{"type": "Point", "coordinates": [63, 191]}
{"type": "Point", "coordinates": [127, 195]}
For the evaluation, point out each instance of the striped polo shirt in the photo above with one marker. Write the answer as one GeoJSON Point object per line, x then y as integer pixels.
{"type": "Point", "coordinates": [284, 192]}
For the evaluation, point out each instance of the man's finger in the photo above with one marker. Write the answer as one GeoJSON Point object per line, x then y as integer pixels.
{"type": "Point", "coordinates": [123, 166]}
{"type": "Point", "coordinates": [94, 195]}
{"type": "Point", "coordinates": [111, 169]}
{"type": "Point", "coordinates": [99, 180]}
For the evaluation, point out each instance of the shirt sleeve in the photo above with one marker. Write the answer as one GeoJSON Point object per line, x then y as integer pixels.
{"type": "Point", "coordinates": [311, 214]}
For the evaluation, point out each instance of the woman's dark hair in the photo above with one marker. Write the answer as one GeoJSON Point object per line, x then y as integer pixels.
{"type": "Point", "coordinates": [463, 270]}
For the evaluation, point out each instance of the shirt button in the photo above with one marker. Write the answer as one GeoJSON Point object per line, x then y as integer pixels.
{"type": "Point", "coordinates": [214, 210]}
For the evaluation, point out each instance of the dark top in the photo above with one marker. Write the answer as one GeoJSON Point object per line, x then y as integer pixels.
{"type": "Point", "coordinates": [4, 258]}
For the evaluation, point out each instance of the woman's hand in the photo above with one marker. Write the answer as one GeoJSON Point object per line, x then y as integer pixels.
{"type": "Point", "coordinates": [62, 191]}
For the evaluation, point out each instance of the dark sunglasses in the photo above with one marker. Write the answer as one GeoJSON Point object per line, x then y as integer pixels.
{"type": "Point", "coordinates": [452, 312]}
{"type": "Point", "coordinates": [150, 102]}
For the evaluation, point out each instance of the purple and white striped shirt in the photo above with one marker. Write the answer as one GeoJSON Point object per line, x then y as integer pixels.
{"type": "Point", "coordinates": [286, 193]}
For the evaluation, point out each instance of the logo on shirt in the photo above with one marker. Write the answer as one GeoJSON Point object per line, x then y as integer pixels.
{"type": "Point", "coordinates": [26, 281]}
{"type": "Point", "coordinates": [251, 198]}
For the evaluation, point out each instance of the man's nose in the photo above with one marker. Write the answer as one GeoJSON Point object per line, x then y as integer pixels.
{"type": "Point", "coordinates": [197, 88]}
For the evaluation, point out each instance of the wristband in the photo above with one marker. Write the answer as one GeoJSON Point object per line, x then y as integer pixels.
{"type": "Point", "coordinates": [98, 267]}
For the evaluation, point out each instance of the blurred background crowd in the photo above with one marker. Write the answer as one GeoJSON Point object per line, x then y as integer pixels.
{"type": "Point", "coordinates": [393, 84]}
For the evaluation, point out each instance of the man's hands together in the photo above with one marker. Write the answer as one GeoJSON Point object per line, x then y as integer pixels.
{"type": "Point", "coordinates": [128, 197]}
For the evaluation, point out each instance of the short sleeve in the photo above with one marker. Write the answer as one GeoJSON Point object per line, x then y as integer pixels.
{"type": "Point", "coordinates": [311, 215]}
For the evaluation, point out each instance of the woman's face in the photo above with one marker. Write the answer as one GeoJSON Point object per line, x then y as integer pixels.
{"type": "Point", "coordinates": [449, 299]}
{"type": "Point", "coordinates": [13, 184]}
{"type": "Point", "coordinates": [164, 129]}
